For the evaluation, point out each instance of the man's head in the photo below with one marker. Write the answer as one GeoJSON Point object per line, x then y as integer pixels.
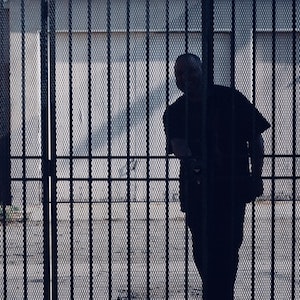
{"type": "Point", "coordinates": [188, 74]}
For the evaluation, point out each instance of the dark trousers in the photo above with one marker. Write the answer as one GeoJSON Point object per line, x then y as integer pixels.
{"type": "Point", "coordinates": [217, 237]}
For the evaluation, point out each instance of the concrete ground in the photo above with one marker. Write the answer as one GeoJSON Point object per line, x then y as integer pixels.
{"type": "Point", "coordinates": [181, 280]}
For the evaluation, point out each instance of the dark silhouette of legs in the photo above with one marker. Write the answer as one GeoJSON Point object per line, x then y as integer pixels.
{"type": "Point", "coordinates": [216, 252]}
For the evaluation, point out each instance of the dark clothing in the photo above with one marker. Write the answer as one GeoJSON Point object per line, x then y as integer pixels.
{"type": "Point", "coordinates": [216, 224]}
{"type": "Point", "coordinates": [231, 121]}
{"type": "Point", "coordinates": [216, 249]}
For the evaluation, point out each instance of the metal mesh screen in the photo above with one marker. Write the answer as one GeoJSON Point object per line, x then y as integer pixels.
{"type": "Point", "coordinates": [95, 210]}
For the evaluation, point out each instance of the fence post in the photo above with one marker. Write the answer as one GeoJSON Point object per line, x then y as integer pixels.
{"type": "Point", "coordinates": [44, 144]}
{"type": "Point", "coordinates": [208, 61]}
{"type": "Point", "coordinates": [5, 195]}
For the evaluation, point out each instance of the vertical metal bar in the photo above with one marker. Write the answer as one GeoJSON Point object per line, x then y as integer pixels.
{"type": "Point", "coordinates": [44, 145]}
{"type": "Point", "coordinates": [4, 240]}
{"type": "Point", "coordinates": [186, 26]}
{"type": "Point", "coordinates": [24, 182]}
{"type": "Point", "coordinates": [128, 135]}
{"type": "Point", "coordinates": [207, 43]}
{"type": "Point", "coordinates": [294, 117]}
{"type": "Point", "coordinates": [186, 233]}
{"type": "Point", "coordinates": [232, 129]}
{"type": "Point", "coordinates": [5, 171]}
{"type": "Point", "coordinates": [4, 32]}
{"type": "Point", "coordinates": [232, 46]}
{"type": "Point", "coordinates": [253, 206]}
{"type": "Point", "coordinates": [167, 162]}
{"type": "Point", "coordinates": [52, 171]}
{"type": "Point", "coordinates": [90, 161]}
{"type": "Point", "coordinates": [109, 147]}
{"type": "Point", "coordinates": [71, 149]}
{"type": "Point", "coordinates": [147, 142]}
{"type": "Point", "coordinates": [272, 296]}
{"type": "Point", "coordinates": [207, 58]}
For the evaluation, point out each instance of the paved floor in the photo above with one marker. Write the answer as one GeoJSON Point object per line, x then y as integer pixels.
{"type": "Point", "coordinates": [177, 284]}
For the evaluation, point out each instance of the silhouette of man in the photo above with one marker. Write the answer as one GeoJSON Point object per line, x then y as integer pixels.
{"type": "Point", "coordinates": [217, 181]}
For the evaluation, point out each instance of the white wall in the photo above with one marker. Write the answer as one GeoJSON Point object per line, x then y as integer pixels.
{"type": "Point", "coordinates": [157, 87]}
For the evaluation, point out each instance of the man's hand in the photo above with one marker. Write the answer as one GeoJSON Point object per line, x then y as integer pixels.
{"type": "Point", "coordinates": [256, 147]}
{"type": "Point", "coordinates": [193, 167]}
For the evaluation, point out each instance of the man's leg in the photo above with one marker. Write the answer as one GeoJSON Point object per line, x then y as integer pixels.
{"type": "Point", "coordinates": [216, 254]}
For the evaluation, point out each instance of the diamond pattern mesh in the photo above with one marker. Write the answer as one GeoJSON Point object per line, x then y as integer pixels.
{"type": "Point", "coordinates": [95, 210]}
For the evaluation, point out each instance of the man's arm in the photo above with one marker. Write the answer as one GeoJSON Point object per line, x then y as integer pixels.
{"type": "Point", "coordinates": [256, 147]}
{"type": "Point", "coordinates": [191, 165]}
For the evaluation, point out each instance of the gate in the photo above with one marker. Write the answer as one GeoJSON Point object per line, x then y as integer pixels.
{"type": "Point", "coordinates": [95, 212]}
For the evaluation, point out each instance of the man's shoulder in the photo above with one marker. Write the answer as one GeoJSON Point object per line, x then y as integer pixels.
{"type": "Point", "coordinates": [173, 110]}
{"type": "Point", "coordinates": [177, 104]}
{"type": "Point", "coordinates": [223, 95]}
{"type": "Point", "coordinates": [220, 88]}
{"type": "Point", "coordinates": [225, 91]}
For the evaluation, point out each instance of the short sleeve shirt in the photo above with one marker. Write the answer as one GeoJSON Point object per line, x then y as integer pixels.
{"type": "Point", "coordinates": [231, 121]}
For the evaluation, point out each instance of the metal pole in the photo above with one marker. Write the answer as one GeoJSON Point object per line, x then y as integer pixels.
{"type": "Point", "coordinates": [207, 42]}
{"type": "Point", "coordinates": [207, 60]}
{"type": "Point", "coordinates": [44, 143]}
{"type": "Point", "coordinates": [52, 170]}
